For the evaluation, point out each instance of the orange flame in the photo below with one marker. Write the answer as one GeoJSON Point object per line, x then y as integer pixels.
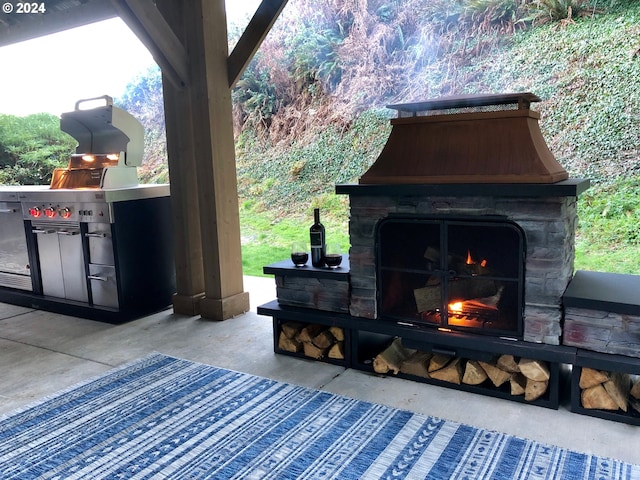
{"type": "Point", "coordinates": [469, 259]}
{"type": "Point", "coordinates": [455, 307]}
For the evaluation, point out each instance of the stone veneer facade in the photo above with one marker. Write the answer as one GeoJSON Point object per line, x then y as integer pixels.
{"type": "Point", "coordinates": [602, 331]}
{"type": "Point", "coordinates": [549, 224]}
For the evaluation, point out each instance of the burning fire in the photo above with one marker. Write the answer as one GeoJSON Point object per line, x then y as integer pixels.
{"type": "Point", "coordinates": [456, 307]}
{"type": "Point", "coordinates": [471, 261]}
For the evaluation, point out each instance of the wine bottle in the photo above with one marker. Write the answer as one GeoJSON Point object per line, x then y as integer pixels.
{"type": "Point", "coordinates": [318, 245]}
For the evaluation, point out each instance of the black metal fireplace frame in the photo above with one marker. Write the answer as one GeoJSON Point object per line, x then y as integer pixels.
{"type": "Point", "coordinates": [444, 222]}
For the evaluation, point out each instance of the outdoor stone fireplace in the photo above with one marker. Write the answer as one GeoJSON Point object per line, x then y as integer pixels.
{"type": "Point", "coordinates": [547, 215]}
{"type": "Point", "coordinates": [471, 166]}
{"type": "Point", "coordinates": [460, 270]}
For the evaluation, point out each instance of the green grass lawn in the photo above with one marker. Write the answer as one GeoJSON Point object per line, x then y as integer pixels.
{"type": "Point", "coordinates": [267, 237]}
{"type": "Point", "coordinates": [606, 241]}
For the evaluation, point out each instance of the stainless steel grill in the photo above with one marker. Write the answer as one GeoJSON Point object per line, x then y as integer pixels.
{"type": "Point", "coordinates": [95, 242]}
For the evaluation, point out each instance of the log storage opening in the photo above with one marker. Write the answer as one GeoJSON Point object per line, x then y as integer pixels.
{"type": "Point", "coordinates": [612, 391]}
{"type": "Point", "coordinates": [519, 376]}
{"type": "Point", "coordinates": [312, 340]}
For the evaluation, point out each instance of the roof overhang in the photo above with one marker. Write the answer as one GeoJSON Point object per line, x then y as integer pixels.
{"type": "Point", "coordinates": [60, 15]}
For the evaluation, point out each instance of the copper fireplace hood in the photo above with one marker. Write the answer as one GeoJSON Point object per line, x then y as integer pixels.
{"type": "Point", "coordinates": [503, 145]}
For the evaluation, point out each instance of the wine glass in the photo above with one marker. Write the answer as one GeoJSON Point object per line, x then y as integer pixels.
{"type": "Point", "coordinates": [333, 255]}
{"type": "Point", "coordinates": [299, 254]}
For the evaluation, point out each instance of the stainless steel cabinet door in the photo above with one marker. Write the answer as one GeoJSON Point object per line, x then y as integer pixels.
{"type": "Point", "coordinates": [104, 287]}
{"type": "Point", "coordinates": [100, 243]}
{"type": "Point", "coordinates": [15, 270]}
{"type": "Point", "coordinates": [61, 262]}
{"type": "Point", "coordinates": [50, 262]}
{"type": "Point", "coordinates": [75, 283]}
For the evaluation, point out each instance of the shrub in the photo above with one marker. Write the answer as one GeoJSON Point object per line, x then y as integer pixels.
{"type": "Point", "coordinates": [545, 11]}
{"type": "Point", "coordinates": [31, 148]}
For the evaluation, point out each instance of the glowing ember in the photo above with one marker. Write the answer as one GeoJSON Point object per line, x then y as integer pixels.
{"type": "Point", "coordinates": [455, 307]}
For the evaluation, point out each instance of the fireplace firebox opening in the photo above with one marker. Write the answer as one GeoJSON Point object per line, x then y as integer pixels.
{"type": "Point", "coordinates": [452, 273]}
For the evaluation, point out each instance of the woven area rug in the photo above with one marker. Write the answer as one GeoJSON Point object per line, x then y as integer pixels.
{"type": "Point", "coordinates": [162, 417]}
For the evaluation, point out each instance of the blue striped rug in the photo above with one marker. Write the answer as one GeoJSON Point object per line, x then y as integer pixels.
{"type": "Point", "coordinates": [162, 417]}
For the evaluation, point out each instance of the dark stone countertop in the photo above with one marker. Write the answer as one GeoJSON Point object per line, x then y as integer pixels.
{"type": "Point", "coordinates": [610, 292]}
{"type": "Point", "coordinates": [286, 267]}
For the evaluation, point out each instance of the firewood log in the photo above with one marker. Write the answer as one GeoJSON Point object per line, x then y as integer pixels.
{"type": "Point", "coordinates": [307, 333]}
{"type": "Point", "coordinates": [618, 389]}
{"type": "Point", "coordinates": [432, 254]}
{"type": "Point", "coordinates": [438, 361]}
{"type": "Point", "coordinates": [597, 397]}
{"type": "Point", "coordinates": [338, 333]}
{"type": "Point", "coordinates": [291, 329]}
{"type": "Point", "coordinates": [590, 377]}
{"type": "Point", "coordinates": [518, 384]}
{"type": "Point", "coordinates": [534, 369]}
{"type": "Point", "coordinates": [337, 351]}
{"type": "Point", "coordinates": [470, 288]}
{"type": "Point", "coordinates": [324, 339]}
{"type": "Point", "coordinates": [288, 344]}
{"type": "Point", "coordinates": [635, 390]}
{"type": "Point", "coordinates": [417, 364]}
{"type": "Point", "coordinates": [497, 376]}
{"type": "Point", "coordinates": [508, 364]}
{"type": "Point", "coordinates": [534, 389]}
{"type": "Point", "coordinates": [391, 358]}
{"type": "Point", "coordinates": [310, 350]}
{"type": "Point", "coordinates": [452, 373]}
{"type": "Point", "coordinates": [474, 374]}
{"type": "Point", "coordinates": [427, 298]}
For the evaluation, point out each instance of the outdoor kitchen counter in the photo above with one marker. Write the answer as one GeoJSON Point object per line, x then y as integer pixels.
{"type": "Point", "coordinates": [18, 193]}
{"type": "Point", "coordinates": [86, 252]}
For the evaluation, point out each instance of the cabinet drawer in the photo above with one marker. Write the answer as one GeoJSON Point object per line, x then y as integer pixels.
{"type": "Point", "coordinates": [104, 287]}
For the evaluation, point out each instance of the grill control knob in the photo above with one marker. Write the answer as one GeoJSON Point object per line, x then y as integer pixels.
{"type": "Point", "coordinates": [65, 212]}
{"type": "Point", "coordinates": [35, 212]}
{"type": "Point", "coordinates": [50, 212]}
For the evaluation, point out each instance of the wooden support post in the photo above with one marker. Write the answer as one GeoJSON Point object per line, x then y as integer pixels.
{"type": "Point", "coordinates": [201, 146]}
{"type": "Point", "coordinates": [214, 150]}
{"type": "Point", "coordinates": [182, 171]}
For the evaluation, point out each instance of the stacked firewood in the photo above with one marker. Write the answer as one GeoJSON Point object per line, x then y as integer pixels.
{"type": "Point", "coordinates": [315, 341]}
{"type": "Point", "coordinates": [609, 390]}
{"type": "Point", "coordinates": [525, 376]}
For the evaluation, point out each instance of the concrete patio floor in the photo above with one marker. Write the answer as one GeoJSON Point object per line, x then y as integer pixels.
{"type": "Point", "coordinates": [42, 353]}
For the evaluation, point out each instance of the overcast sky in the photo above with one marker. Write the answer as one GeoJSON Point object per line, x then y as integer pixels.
{"type": "Point", "coordinates": [49, 74]}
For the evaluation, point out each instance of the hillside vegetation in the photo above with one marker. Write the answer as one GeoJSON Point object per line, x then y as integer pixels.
{"type": "Point", "coordinates": [327, 126]}
{"type": "Point", "coordinates": [309, 111]}
{"type": "Point", "coordinates": [308, 122]}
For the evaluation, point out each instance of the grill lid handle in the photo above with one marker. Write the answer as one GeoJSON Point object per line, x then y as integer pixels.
{"type": "Point", "coordinates": [108, 101]}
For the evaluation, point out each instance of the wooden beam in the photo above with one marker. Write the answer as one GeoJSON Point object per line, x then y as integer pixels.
{"type": "Point", "coordinates": [258, 28]}
{"type": "Point", "coordinates": [144, 19]}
